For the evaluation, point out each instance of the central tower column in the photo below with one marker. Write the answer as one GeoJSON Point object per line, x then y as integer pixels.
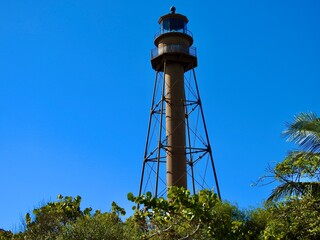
{"type": "Point", "coordinates": [175, 125]}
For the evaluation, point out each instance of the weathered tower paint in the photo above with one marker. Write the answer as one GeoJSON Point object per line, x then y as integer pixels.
{"type": "Point", "coordinates": [172, 58]}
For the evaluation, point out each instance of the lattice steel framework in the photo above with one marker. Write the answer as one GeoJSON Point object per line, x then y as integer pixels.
{"type": "Point", "coordinates": [200, 164]}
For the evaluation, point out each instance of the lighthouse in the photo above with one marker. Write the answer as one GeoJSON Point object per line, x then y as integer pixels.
{"type": "Point", "coordinates": [175, 146]}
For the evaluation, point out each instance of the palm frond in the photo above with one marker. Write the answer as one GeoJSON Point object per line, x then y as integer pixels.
{"type": "Point", "coordinates": [294, 189]}
{"type": "Point", "coordinates": [305, 131]}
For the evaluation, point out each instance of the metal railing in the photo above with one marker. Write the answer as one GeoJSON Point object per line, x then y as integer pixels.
{"type": "Point", "coordinates": [163, 31]}
{"type": "Point", "coordinates": [175, 48]}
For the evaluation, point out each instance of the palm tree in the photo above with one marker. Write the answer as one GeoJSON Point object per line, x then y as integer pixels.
{"type": "Point", "coordinates": [305, 131]}
{"type": "Point", "coordinates": [299, 173]}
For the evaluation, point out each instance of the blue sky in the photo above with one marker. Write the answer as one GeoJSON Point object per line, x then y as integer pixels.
{"type": "Point", "coordinates": [76, 85]}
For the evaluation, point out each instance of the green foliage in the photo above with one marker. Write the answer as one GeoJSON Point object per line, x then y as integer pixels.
{"type": "Point", "coordinates": [118, 210]}
{"type": "Point", "coordinates": [257, 220]}
{"type": "Point", "coordinates": [304, 164]}
{"type": "Point", "coordinates": [48, 220]}
{"type": "Point", "coordinates": [4, 235]}
{"type": "Point", "coordinates": [186, 216]}
{"type": "Point", "coordinates": [97, 227]}
{"type": "Point", "coordinates": [294, 205]}
{"type": "Point", "coordinates": [294, 219]}
{"type": "Point", "coordinates": [299, 173]}
{"type": "Point", "coordinates": [63, 219]}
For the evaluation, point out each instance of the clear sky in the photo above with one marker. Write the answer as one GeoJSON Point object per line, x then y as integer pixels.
{"type": "Point", "coordinates": [76, 86]}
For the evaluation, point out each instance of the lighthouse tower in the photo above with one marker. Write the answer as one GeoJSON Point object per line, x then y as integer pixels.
{"type": "Point", "coordinates": [177, 151]}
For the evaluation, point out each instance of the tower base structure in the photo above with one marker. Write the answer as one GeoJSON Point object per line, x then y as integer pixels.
{"type": "Point", "coordinates": [200, 168]}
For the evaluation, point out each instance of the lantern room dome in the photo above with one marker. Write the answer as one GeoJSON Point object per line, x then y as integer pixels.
{"type": "Point", "coordinates": [173, 22]}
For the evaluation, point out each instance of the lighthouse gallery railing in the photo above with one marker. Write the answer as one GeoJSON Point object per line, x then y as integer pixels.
{"type": "Point", "coordinates": [176, 48]}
